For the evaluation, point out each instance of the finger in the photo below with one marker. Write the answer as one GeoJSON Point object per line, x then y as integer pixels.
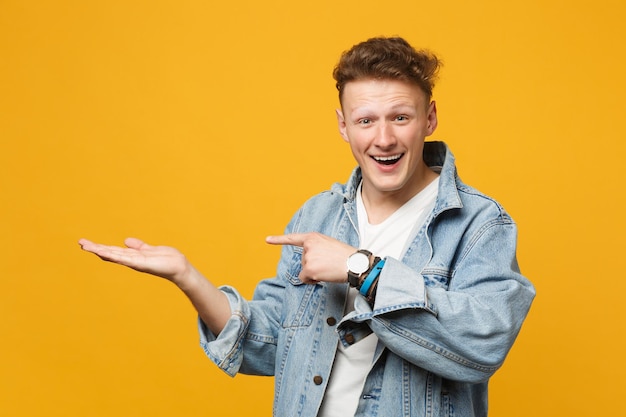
{"type": "Point", "coordinates": [105, 252]}
{"type": "Point", "coordinates": [134, 243]}
{"type": "Point", "coordinates": [88, 245]}
{"type": "Point", "coordinates": [84, 242]}
{"type": "Point", "coordinates": [305, 279]}
{"type": "Point", "coordinates": [119, 255]}
{"type": "Point", "coordinates": [295, 239]}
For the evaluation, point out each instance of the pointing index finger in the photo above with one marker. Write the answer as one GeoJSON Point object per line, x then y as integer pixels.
{"type": "Point", "coordinates": [294, 239]}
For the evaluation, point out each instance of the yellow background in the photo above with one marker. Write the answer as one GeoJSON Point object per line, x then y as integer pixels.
{"type": "Point", "coordinates": [204, 125]}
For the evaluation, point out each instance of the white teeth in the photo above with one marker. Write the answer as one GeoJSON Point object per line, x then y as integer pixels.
{"type": "Point", "coordinates": [387, 158]}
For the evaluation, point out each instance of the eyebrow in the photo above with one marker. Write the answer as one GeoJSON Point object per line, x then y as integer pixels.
{"type": "Point", "coordinates": [395, 108]}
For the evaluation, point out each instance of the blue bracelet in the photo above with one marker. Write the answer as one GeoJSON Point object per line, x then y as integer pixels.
{"type": "Point", "coordinates": [371, 277]}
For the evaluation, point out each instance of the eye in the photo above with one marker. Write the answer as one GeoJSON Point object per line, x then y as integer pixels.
{"type": "Point", "coordinates": [365, 121]}
{"type": "Point", "coordinates": [402, 118]}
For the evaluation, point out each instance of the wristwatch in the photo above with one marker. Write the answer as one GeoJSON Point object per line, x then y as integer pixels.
{"type": "Point", "coordinates": [358, 263]}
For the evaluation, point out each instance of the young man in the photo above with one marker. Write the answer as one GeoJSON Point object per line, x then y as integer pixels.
{"type": "Point", "coordinates": [397, 294]}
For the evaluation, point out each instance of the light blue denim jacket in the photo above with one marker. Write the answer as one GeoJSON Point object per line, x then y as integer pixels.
{"type": "Point", "coordinates": [446, 314]}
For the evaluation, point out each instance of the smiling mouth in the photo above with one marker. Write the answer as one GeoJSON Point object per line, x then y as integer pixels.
{"type": "Point", "coordinates": [387, 160]}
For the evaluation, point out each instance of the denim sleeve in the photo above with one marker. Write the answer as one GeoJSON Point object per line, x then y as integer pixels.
{"type": "Point", "coordinates": [247, 344]}
{"type": "Point", "coordinates": [461, 331]}
{"type": "Point", "coordinates": [225, 349]}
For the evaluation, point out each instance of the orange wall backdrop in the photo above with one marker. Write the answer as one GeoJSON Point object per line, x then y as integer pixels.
{"type": "Point", "coordinates": [204, 125]}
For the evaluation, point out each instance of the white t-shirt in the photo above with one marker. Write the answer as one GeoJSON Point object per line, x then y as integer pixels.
{"type": "Point", "coordinates": [389, 238]}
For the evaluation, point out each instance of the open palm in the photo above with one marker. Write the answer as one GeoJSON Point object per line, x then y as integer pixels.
{"type": "Point", "coordinates": [162, 261]}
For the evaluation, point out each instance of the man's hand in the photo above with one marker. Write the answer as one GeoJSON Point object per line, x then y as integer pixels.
{"type": "Point", "coordinates": [323, 258]}
{"type": "Point", "coordinates": [162, 261]}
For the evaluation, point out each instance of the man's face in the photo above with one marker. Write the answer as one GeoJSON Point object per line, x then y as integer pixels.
{"type": "Point", "coordinates": [385, 122]}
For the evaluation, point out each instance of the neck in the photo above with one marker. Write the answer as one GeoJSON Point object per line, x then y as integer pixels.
{"type": "Point", "coordinates": [380, 205]}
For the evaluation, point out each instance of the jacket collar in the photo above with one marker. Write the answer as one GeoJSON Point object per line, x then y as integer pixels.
{"type": "Point", "coordinates": [437, 155]}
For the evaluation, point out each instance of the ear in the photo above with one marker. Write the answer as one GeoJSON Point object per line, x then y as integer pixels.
{"type": "Point", "coordinates": [341, 123]}
{"type": "Point", "coordinates": [431, 116]}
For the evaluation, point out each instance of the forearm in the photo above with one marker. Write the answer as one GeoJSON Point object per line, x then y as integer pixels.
{"type": "Point", "coordinates": [465, 342]}
{"type": "Point", "coordinates": [211, 304]}
{"type": "Point", "coordinates": [461, 327]}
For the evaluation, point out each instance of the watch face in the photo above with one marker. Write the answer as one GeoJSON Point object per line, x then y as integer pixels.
{"type": "Point", "coordinates": [358, 263]}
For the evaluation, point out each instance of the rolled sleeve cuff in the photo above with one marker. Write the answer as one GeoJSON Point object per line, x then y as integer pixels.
{"type": "Point", "coordinates": [399, 287]}
{"type": "Point", "coordinates": [225, 349]}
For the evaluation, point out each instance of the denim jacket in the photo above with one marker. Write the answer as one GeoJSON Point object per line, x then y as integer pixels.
{"type": "Point", "coordinates": [445, 314]}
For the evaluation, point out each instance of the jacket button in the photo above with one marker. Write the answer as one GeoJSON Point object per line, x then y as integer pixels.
{"type": "Point", "coordinates": [317, 380]}
{"type": "Point", "coordinates": [331, 321]}
{"type": "Point", "coordinates": [349, 338]}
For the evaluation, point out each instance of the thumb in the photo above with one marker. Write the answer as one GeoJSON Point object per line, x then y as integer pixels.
{"type": "Point", "coordinates": [134, 243]}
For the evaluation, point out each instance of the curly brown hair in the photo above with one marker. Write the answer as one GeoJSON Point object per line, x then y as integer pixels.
{"type": "Point", "coordinates": [387, 58]}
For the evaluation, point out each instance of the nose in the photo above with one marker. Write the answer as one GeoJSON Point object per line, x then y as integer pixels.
{"type": "Point", "coordinates": [385, 136]}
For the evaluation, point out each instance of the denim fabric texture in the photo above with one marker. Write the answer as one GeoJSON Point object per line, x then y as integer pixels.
{"type": "Point", "coordinates": [446, 313]}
